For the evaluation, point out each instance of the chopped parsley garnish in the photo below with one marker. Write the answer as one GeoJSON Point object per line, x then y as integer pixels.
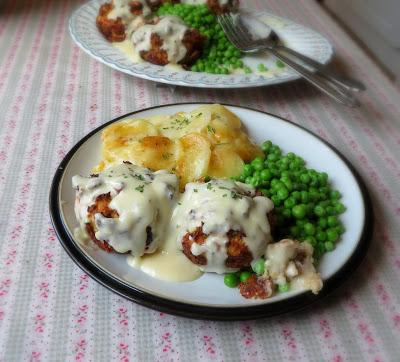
{"type": "Point", "coordinates": [195, 190]}
{"type": "Point", "coordinates": [166, 156]}
{"type": "Point", "coordinates": [211, 129]}
{"type": "Point", "coordinates": [235, 195]}
{"type": "Point", "coordinates": [140, 188]}
{"type": "Point", "coordinates": [139, 177]}
{"type": "Point", "coordinates": [209, 187]}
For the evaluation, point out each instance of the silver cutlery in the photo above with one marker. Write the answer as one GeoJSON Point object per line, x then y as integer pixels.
{"type": "Point", "coordinates": [257, 36]}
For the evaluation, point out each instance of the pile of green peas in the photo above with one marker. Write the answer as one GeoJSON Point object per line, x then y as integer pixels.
{"type": "Point", "coordinates": [306, 206]}
{"type": "Point", "coordinates": [219, 54]}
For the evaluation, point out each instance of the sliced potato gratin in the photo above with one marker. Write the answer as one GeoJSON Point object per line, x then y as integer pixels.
{"type": "Point", "coordinates": [209, 141]}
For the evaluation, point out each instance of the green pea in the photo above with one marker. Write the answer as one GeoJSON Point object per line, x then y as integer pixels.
{"type": "Point", "coordinates": [332, 235]}
{"type": "Point", "coordinates": [244, 275]}
{"type": "Point", "coordinates": [290, 202]}
{"type": "Point", "coordinates": [340, 208]}
{"type": "Point", "coordinates": [262, 68]}
{"type": "Point", "coordinates": [299, 211]}
{"type": "Point", "coordinates": [309, 229]}
{"type": "Point", "coordinates": [258, 266]}
{"type": "Point", "coordinates": [288, 184]}
{"type": "Point", "coordinates": [247, 70]}
{"type": "Point", "coordinates": [332, 221]}
{"type": "Point", "coordinates": [311, 240]}
{"type": "Point", "coordinates": [321, 236]}
{"type": "Point", "coordinates": [340, 229]}
{"type": "Point", "coordinates": [319, 211]}
{"type": "Point", "coordinates": [330, 210]}
{"type": "Point", "coordinates": [329, 246]}
{"type": "Point", "coordinates": [282, 193]}
{"type": "Point", "coordinates": [276, 200]}
{"type": "Point", "coordinates": [266, 146]}
{"type": "Point", "coordinates": [304, 197]}
{"type": "Point", "coordinates": [231, 280]}
{"type": "Point", "coordinates": [305, 178]}
{"type": "Point", "coordinates": [257, 164]}
{"type": "Point", "coordinates": [283, 288]}
{"type": "Point", "coordinates": [296, 195]}
{"type": "Point", "coordinates": [265, 175]}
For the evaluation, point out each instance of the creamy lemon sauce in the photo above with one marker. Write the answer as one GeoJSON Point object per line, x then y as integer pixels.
{"type": "Point", "coordinates": [218, 207]}
{"type": "Point", "coordinates": [122, 9]}
{"type": "Point", "coordinates": [153, 218]}
{"type": "Point", "coordinates": [168, 263]}
{"type": "Point", "coordinates": [126, 47]}
{"type": "Point", "coordinates": [171, 29]}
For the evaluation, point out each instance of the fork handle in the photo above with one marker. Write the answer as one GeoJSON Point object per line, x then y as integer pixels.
{"type": "Point", "coordinates": [340, 95]}
{"type": "Point", "coordinates": [349, 83]}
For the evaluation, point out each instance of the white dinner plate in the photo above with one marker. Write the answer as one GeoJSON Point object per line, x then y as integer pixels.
{"type": "Point", "coordinates": [83, 30]}
{"type": "Point", "coordinates": [207, 297]}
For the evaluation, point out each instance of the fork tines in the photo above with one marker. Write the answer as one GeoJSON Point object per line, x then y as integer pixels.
{"type": "Point", "coordinates": [235, 31]}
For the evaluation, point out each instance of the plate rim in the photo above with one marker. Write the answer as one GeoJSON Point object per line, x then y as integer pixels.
{"type": "Point", "coordinates": [189, 310]}
{"type": "Point", "coordinates": [182, 82]}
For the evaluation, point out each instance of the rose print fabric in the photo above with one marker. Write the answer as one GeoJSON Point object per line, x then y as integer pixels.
{"type": "Point", "coordinates": [52, 94]}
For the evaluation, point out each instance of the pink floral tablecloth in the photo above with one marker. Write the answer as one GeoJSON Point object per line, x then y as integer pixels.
{"type": "Point", "coordinates": [52, 94]}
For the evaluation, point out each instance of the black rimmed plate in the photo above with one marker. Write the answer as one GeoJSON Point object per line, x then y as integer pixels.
{"type": "Point", "coordinates": [207, 297]}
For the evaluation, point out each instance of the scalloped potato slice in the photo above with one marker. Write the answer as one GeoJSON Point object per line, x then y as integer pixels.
{"type": "Point", "coordinates": [182, 124]}
{"type": "Point", "coordinates": [219, 131]}
{"type": "Point", "coordinates": [121, 134]}
{"type": "Point", "coordinates": [119, 137]}
{"type": "Point", "coordinates": [225, 162]}
{"type": "Point", "coordinates": [192, 164]}
{"type": "Point", "coordinates": [158, 120]}
{"type": "Point", "coordinates": [154, 152]}
{"type": "Point", "coordinates": [223, 113]}
{"type": "Point", "coordinates": [245, 148]}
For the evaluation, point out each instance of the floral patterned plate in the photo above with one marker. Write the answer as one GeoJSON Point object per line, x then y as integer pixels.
{"type": "Point", "coordinates": [85, 33]}
{"type": "Point", "coordinates": [207, 297]}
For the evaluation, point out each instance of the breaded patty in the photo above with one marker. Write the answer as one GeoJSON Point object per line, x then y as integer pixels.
{"type": "Point", "coordinates": [239, 256]}
{"type": "Point", "coordinates": [256, 288]}
{"type": "Point", "coordinates": [192, 40]}
{"type": "Point", "coordinates": [113, 30]}
{"type": "Point", "coordinates": [101, 206]}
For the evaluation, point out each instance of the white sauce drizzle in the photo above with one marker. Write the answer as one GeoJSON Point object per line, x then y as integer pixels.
{"type": "Point", "coordinates": [218, 207]}
{"type": "Point", "coordinates": [143, 200]}
{"type": "Point", "coordinates": [171, 30]}
{"type": "Point", "coordinates": [122, 10]}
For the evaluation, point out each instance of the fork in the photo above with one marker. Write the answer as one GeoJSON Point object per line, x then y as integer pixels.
{"type": "Point", "coordinates": [240, 37]}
